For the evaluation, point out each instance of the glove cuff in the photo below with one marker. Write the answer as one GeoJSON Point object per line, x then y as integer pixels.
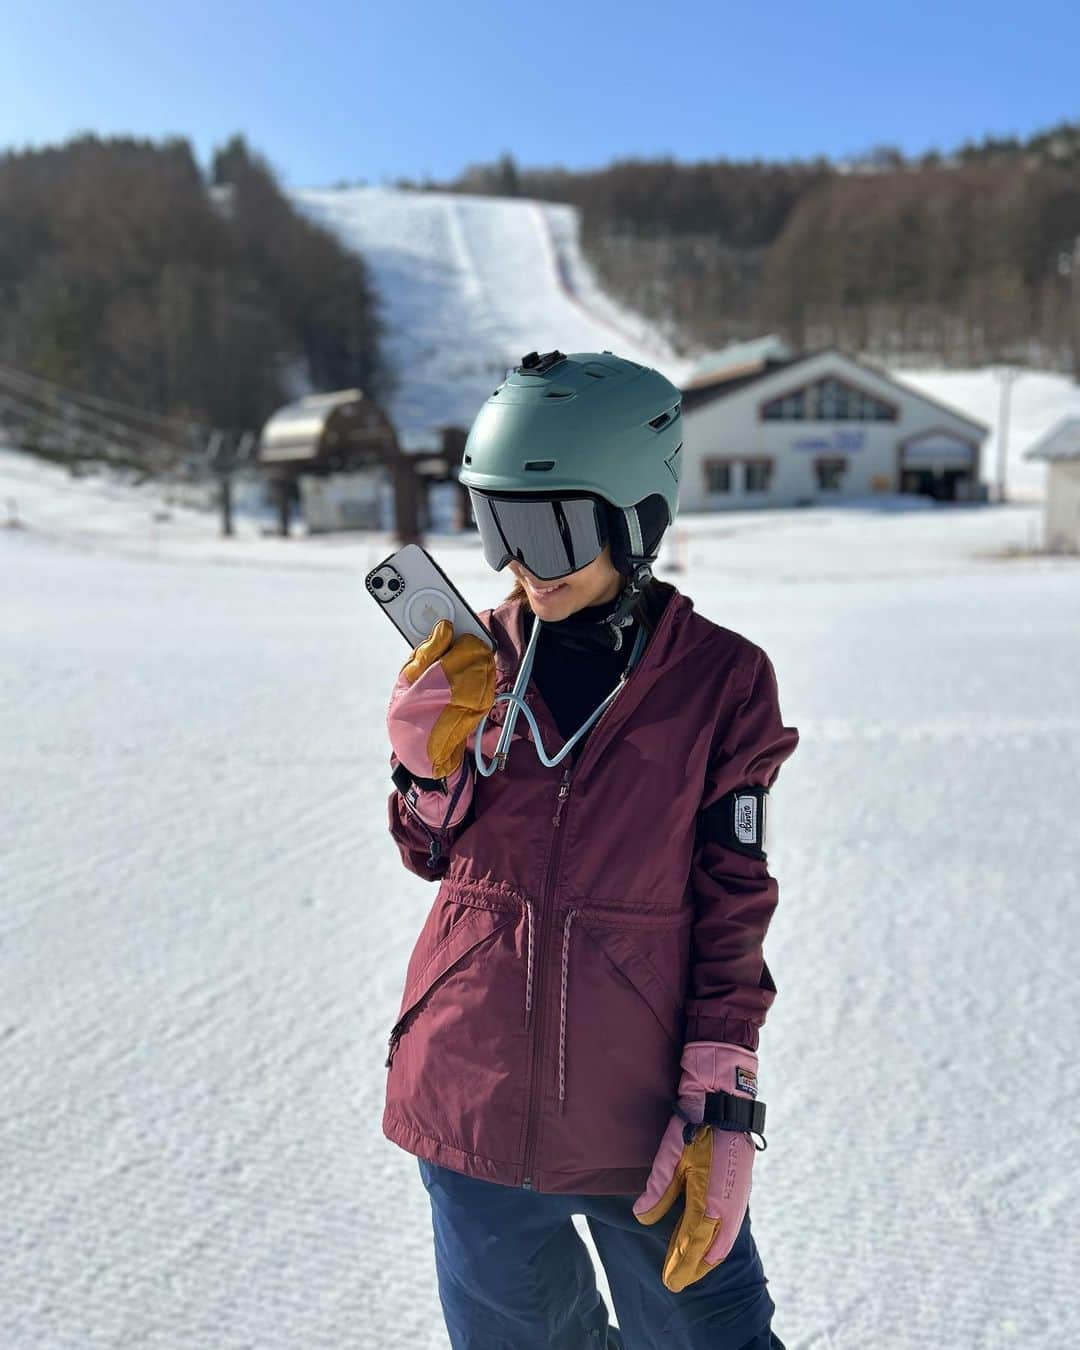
{"type": "Point", "coordinates": [442, 803]}
{"type": "Point", "coordinates": [715, 1066]}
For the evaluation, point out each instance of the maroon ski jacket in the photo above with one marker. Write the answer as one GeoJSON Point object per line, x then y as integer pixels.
{"type": "Point", "coordinates": [584, 925]}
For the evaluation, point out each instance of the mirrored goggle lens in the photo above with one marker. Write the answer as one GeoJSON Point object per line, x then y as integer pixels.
{"type": "Point", "coordinates": [551, 536]}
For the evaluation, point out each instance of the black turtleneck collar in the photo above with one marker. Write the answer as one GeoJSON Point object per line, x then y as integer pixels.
{"type": "Point", "coordinates": [576, 664]}
{"type": "Point", "coordinates": [585, 630]}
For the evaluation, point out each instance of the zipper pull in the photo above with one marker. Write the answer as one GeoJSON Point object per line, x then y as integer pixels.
{"type": "Point", "coordinates": [395, 1036]}
{"type": "Point", "coordinates": [564, 792]}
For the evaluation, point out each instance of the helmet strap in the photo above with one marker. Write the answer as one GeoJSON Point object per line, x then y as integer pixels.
{"type": "Point", "coordinates": [640, 564]}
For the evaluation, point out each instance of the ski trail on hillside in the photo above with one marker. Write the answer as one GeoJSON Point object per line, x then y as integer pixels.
{"type": "Point", "coordinates": [466, 286]}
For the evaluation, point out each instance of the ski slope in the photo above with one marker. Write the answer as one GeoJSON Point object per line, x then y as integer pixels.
{"type": "Point", "coordinates": [468, 285]}
{"type": "Point", "coordinates": [204, 927]}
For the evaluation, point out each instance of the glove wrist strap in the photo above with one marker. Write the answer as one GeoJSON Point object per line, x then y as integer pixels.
{"type": "Point", "coordinates": [725, 1111]}
{"type": "Point", "coordinates": [403, 780]}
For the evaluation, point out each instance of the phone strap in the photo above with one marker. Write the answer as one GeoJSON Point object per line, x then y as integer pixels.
{"type": "Point", "coordinates": [516, 698]}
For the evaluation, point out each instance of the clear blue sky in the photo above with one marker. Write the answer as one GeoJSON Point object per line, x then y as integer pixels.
{"type": "Point", "coordinates": [374, 89]}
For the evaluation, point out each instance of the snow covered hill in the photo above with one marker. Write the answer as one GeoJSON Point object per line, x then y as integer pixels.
{"type": "Point", "coordinates": [468, 285]}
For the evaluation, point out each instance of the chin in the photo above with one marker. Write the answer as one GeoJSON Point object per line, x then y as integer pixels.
{"type": "Point", "coordinates": [554, 606]}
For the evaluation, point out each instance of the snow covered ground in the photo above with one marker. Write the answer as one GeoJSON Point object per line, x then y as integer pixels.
{"type": "Point", "coordinates": [883, 536]}
{"type": "Point", "coordinates": [204, 927]}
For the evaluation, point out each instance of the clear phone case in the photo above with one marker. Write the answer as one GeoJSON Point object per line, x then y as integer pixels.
{"type": "Point", "coordinates": [415, 593]}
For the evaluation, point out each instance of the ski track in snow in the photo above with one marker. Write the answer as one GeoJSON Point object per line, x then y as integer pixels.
{"type": "Point", "coordinates": [205, 927]}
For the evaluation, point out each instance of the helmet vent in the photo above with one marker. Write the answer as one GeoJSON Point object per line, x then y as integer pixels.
{"type": "Point", "coordinates": [559, 393]}
{"type": "Point", "coordinates": [538, 465]}
{"type": "Point", "coordinates": [467, 459]}
{"type": "Point", "coordinates": [658, 423]}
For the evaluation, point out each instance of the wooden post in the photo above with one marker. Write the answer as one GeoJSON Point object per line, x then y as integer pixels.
{"type": "Point", "coordinates": [406, 504]}
{"type": "Point", "coordinates": [227, 504]}
{"type": "Point", "coordinates": [1074, 278]}
{"type": "Point", "coordinates": [281, 487]}
{"type": "Point", "coordinates": [240, 453]}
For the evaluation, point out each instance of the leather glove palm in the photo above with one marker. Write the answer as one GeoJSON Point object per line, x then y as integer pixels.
{"type": "Point", "coordinates": [711, 1168]}
{"type": "Point", "coordinates": [441, 693]}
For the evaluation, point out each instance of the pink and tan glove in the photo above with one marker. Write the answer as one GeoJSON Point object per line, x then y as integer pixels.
{"type": "Point", "coordinates": [438, 699]}
{"type": "Point", "coordinates": [711, 1165]}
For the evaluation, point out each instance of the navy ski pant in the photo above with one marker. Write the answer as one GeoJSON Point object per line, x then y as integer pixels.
{"type": "Point", "coordinates": [514, 1274]}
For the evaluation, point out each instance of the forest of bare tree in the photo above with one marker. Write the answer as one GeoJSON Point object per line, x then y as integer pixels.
{"type": "Point", "coordinates": [126, 271]}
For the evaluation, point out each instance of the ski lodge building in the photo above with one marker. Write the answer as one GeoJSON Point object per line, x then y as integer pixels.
{"type": "Point", "coordinates": [765, 429]}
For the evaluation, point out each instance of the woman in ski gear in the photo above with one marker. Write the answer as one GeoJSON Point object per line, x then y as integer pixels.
{"type": "Point", "coordinates": [579, 1025]}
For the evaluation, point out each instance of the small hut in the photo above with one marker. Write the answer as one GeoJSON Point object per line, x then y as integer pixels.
{"type": "Point", "coordinates": [1060, 448]}
{"type": "Point", "coordinates": [344, 436]}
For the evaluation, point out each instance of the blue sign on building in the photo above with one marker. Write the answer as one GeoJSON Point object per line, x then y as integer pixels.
{"type": "Point", "coordinates": [842, 441]}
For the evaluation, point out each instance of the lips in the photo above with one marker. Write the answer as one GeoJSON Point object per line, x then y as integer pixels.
{"type": "Point", "coordinates": [548, 590]}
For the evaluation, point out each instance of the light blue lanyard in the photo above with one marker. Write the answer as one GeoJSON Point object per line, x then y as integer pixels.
{"type": "Point", "coordinates": [517, 700]}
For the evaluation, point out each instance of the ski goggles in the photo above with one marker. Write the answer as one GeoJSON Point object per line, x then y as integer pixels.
{"type": "Point", "coordinates": [551, 535]}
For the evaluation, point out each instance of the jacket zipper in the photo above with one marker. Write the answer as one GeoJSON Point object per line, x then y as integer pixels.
{"type": "Point", "coordinates": [552, 869]}
{"type": "Point", "coordinates": [395, 1036]}
{"type": "Point", "coordinates": [545, 910]}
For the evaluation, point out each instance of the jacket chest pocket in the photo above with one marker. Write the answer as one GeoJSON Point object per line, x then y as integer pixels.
{"type": "Point", "coordinates": [477, 927]}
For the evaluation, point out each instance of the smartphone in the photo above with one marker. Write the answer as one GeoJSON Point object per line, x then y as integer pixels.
{"type": "Point", "coordinates": [415, 593]}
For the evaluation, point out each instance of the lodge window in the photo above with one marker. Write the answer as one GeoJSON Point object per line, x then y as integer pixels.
{"type": "Point", "coordinates": [830, 472]}
{"type": "Point", "coordinates": [718, 475]}
{"type": "Point", "coordinates": [827, 400]}
{"type": "Point", "coordinates": [757, 475]}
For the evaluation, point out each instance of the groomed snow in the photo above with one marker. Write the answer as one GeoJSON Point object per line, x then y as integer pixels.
{"type": "Point", "coordinates": [204, 928]}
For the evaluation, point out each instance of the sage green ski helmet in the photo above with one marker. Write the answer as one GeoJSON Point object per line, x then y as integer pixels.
{"type": "Point", "coordinates": [589, 422]}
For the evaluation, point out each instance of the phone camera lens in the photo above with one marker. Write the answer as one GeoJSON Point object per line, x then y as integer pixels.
{"type": "Point", "coordinates": [394, 585]}
{"type": "Point", "coordinates": [376, 582]}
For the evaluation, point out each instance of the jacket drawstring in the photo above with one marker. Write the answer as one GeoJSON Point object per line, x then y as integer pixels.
{"type": "Point", "coordinates": [562, 1006]}
{"type": "Point", "coordinates": [529, 963]}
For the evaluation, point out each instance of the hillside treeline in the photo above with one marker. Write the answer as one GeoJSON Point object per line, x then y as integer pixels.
{"type": "Point", "coordinates": [126, 271]}
{"type": "Point", "coordinates": [961, 259]}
